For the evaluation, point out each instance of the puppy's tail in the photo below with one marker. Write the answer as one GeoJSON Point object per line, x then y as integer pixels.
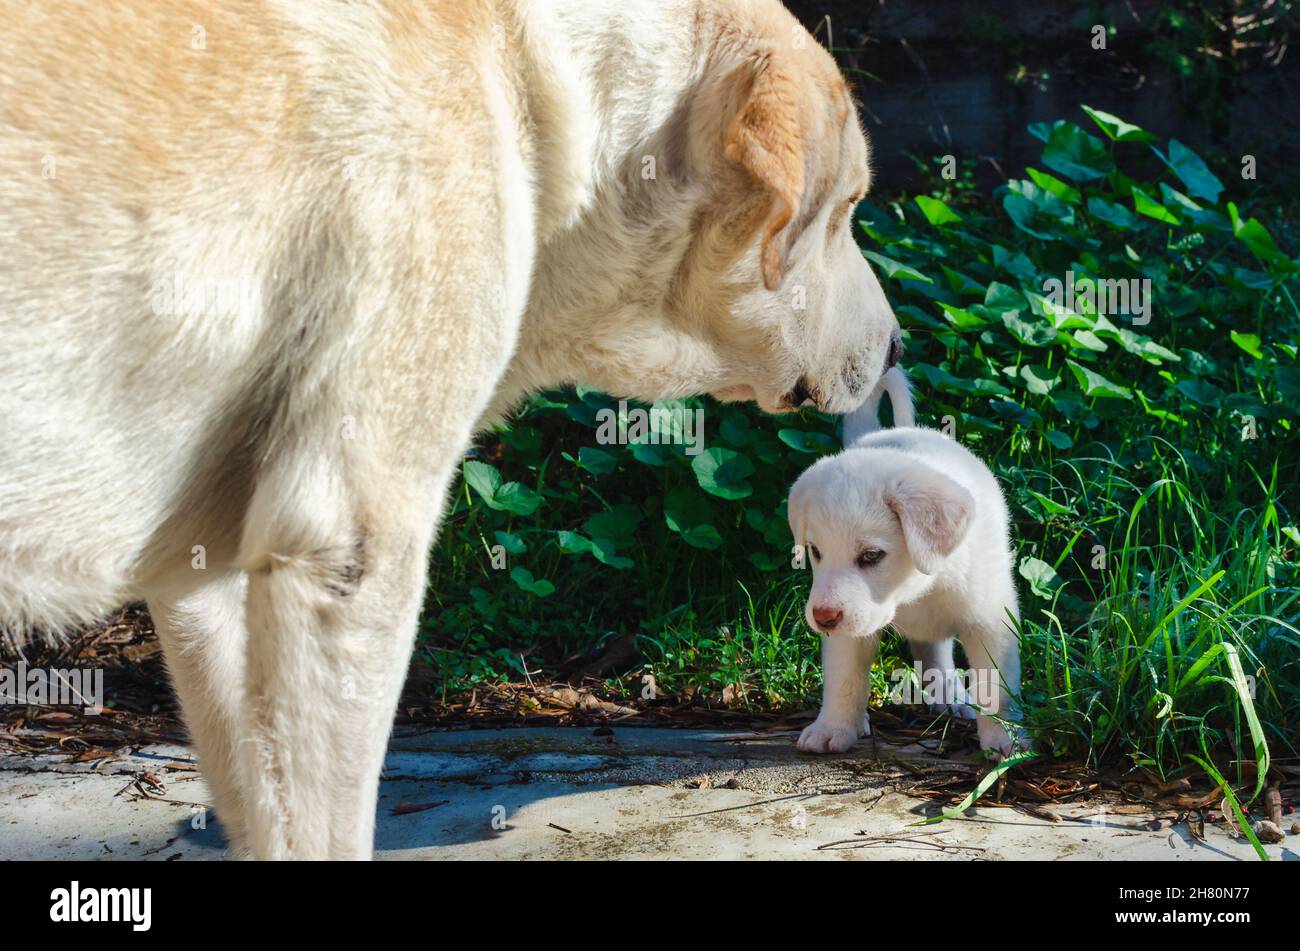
{"type": "Point", "coordinates": [866, 418]}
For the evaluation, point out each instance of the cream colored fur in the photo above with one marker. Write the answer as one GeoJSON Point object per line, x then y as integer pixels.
{"type": "Point", "coordinates": [266, 266]}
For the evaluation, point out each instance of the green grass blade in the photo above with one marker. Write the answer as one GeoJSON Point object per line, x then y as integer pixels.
{"type": "Point", "coordinates": [983, 786]}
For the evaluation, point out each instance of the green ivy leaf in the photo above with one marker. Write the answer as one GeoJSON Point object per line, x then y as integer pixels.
{"type": "Point", "coordinates": [483, 478]}
{"type": "Point", "coordinates": [1144, 204]}
{"type": "Point", "coordinates": [1249, 343]}
{"type": "Point", "coordinates": [651, 454]}
{"type": "Point", "coordinates": [524, 579]}
{"type": "Point", "coordinates": [1014, 263]}
{"type": "Point", "coordinates": [513, 544]}
{"type": "Point", "coordinates": [689, 514]}
{"type": "Point", "coordinates": [961, 283]}
{"type": "Point", "coordinates": [1030, 334]}
{"type": "Point", "coordinates": [1256, 237]}
{"type": "Point", "coordinates": [511, 497]}
{"type": "Point", "coordinates": [1042, 577]}
{"type": "Point", "coordinates": [722, 472]}
{"type": "Point", "coordinates": [516, 499]}
{"type": "Point", "coordinates": [801, 441]}
{"type": "Point", "coordinates": [597, 461]}
{"type": "Point", "coordinates": [1094, 384]}
{"type": "Point", "coordinates": [1039, 379]}
{"type": "Point", "coordinates": [1054, 186]}
{"type": "Point", "coordinates": [1115, 215]}
{"type": "Point", "coordinates": [736, 430]}
{"type": "Point", "coordinates": [1192, 171]}
{"type": "Point", "coordinates": [935, 211]}
{"type": "Point", "coordinates": [1116, 129]}
{"type": "Point", "coordinates": [896, 269]}
{"type": "Point", "coordinates": [618, 525]}
{"type": "Point", "coordinates": [962, 320]}
{"type": "Point", "coordinates": [1014, 412]}
{"type": "Point", "coordinates": [571, 543]}
{"type": "Point", "coordinates": [1076, 154]}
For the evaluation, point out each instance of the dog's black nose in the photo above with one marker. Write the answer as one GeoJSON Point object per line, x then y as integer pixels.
{"type": "Point", "coordinates": [895, 352]}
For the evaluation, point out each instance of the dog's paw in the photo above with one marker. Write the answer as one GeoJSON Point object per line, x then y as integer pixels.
{"type": "Point", "coordinates": [961, 711]}
{"type": "Point", "coordinates": [824, 736]}
{"type": "Point", "coordinates": [994, 737]}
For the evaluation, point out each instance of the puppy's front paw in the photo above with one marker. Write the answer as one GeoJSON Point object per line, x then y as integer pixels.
{"type": "Point", "coordinates": [826, 736]}
{"type": "Point", "coordinates": [994, 737]}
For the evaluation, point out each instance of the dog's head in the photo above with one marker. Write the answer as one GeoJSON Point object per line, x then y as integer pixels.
{"type": "Point", "coordinates": [806, 318]}
{"type": "Point", "coordinates": [728, 266]}
{"type": "Point", "coordinates": [876, 527]}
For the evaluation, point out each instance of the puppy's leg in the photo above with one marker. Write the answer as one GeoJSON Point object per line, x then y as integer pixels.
{"type": "Point", "coordinates": [846, 682]}
{"type": "Point", "coordinates": [335, 547]}
{"type": "Point", "coordinates": [203, 639]}
{"type": "Point", "coordinates": [942, 689]}
{"type": "Point", "coordinates": [994, 654]}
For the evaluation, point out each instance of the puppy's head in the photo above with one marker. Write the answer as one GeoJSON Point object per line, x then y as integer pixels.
{"type": "Point", "coordinates": [876, 526]}
{"type": "Point", "coordinates": [803, 316]}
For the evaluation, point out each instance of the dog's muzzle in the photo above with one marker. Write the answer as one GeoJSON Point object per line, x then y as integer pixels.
{"type": "Point", "coordinates": [801, 393]}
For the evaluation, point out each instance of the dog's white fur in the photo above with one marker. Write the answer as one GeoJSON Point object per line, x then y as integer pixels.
{"type": "Point", "coordinates": [937, 513]}
{"type": "Point", "coordinates": [265, 266]}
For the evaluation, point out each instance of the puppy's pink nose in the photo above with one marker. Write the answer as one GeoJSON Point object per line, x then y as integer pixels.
{"type": "Point", "coordinates": [827, 618]}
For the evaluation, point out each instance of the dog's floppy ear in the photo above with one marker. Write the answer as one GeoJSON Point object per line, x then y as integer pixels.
{"type": "Point", "coordinates": [935, 513]}
{"type": "Point", "coordinates": [767, 139]}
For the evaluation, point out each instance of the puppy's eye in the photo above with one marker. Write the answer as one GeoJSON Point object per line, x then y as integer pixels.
{"type": "Point", "coordinates": [817, 556]}
{"type": "Point", "coordinates": [869, 557]}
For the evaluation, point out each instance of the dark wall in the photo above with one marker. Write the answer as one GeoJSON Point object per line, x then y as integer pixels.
{"type": "Point", "coordinates": [966, 77]}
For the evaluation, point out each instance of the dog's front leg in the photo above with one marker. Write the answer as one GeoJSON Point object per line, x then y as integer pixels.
{"type": "Point", "coordinates": [201, 630]}
{"type": "Point", "coordinates": [336, 548]}
{"type": "Point", "coordinates": [846, 683]}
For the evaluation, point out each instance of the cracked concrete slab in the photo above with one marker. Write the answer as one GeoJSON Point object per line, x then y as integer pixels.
{"type": "Point", "coordinates": [579, 793]}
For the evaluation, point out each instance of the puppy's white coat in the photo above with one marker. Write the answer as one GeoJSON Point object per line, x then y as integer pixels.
{"type": "Point", "coordinates": [906, 527]}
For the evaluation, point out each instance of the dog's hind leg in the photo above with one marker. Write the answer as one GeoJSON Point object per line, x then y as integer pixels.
{"type": "Point", "coordinates": [994, 653]}
{"type": "Point", "coordinates": [336, 548]}
{"type": "Point", "coordinates": [942, 688]}
{"type": "Point", "coordinates": [203, 640]}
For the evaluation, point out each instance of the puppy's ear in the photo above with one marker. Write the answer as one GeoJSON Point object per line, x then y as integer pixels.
{"type": "Point", "coordinates": [935, 513]}
{"type": "Point", "coordinates": [767, 140]}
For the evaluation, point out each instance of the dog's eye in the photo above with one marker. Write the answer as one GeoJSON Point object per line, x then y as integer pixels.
{"type": "Point", "coordinates": [843, 215]}
{"type": "Point", "coordinates": [817, 556]}
{"type": "Point", "coordinates": [869, 557]}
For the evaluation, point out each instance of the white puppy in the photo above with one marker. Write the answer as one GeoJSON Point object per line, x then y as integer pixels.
{"type": "Point", "coordinates": [907, 527]}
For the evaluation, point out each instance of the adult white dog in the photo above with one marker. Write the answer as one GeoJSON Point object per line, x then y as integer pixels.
{"type": "Point", "coordinates": [907, 527]}
{"type": "Point", "coordinates": [266, 265]}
